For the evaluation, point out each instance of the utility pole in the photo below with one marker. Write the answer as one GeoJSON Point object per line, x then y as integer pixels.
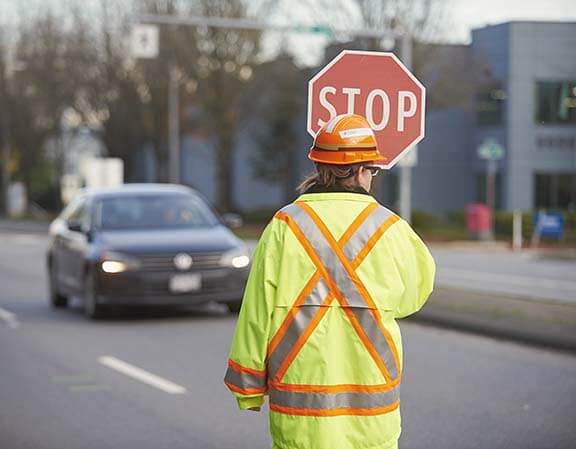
{"type": "Point", "coordinates": [6, 129]}
{"type": "Point", "coordinates": [405, 177]}
{"type": "Point", "coordinates": [6, 156]}
{"type": "Point", "coordinates": [174, 127]}
{"type": "Point", "coordinates": [405, 165]}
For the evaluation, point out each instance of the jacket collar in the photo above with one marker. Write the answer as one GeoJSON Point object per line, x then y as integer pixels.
{"type": "Point", "coordinates": [318, 193]}
{"type": "Point", "coordinates": [336, 188]}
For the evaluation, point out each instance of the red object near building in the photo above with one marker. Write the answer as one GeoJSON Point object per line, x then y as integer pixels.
{"type": "Point", "coordinates": [377, 86]}
{"type": "Point", "coordinates": [478, 219]}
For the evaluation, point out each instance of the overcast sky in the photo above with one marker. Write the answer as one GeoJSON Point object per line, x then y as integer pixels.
{"type": "Point", "coordinates": [476, 13]}
{"type": "Point", "coordinates": [464, 14]}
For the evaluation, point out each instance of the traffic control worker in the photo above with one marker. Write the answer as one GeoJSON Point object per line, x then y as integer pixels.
{"type": "Point", "coordinates": [317, 331]}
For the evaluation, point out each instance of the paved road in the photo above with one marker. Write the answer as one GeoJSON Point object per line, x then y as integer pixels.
{"type": "Point", "coordinates": [460, 391]}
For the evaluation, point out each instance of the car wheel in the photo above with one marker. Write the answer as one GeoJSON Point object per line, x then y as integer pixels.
{"type": "Point", "coordinates": [92, 309]}
{"type": "Point", "coordinates": [57, 300]}
{"type": "Point", "coordinates": [235, 306]}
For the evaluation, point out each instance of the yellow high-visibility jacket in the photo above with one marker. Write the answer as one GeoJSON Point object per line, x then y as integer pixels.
{"type": "Point", "coordinates": [317, 330]}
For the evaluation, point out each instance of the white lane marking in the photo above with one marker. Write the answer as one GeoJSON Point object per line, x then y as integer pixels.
{"type": "Point", "coordinates": [141, 375]}
{"type": "Point", "coordinates": [509, 279]}
{"type": "Point", "coordinates": [9, 318]}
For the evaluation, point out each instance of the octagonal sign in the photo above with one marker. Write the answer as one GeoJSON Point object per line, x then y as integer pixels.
{"type": "Point", "coordinates": [377, 86]}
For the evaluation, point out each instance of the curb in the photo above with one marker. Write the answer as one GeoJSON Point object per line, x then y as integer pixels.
{"type": "Point", "coordinates": [540, 323]}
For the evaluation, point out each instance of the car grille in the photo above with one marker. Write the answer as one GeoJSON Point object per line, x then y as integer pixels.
{"type": "Point", "coordinates": [165, 262]}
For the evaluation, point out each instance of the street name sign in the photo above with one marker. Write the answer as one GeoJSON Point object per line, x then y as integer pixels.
{"type": "Point", "coordinates": [377, 86]}
{"type": "Point", "coordinates": [490, 149]}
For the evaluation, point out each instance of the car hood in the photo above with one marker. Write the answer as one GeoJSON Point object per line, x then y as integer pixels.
{"type": "Point", "coordinates": [217, 238]}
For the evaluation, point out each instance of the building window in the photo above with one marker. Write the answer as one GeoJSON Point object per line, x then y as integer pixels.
{"type": "Point", "coordinates": [555, 191]}
{"type": "Point", "coordinates": [556, 102]}
{"type": "Point", "coordinates": [490, 105]}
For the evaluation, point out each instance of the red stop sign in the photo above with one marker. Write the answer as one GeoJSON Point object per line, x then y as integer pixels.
{"type": "Point", "coordinates": [377, 86]}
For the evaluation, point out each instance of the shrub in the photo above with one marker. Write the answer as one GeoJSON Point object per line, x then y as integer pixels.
{"type": "Point", "coordinates": [424, 220]}
{"type": "Point", "coordinates": [261, 216]}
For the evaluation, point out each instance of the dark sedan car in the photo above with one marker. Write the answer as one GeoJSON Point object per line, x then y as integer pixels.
{"type": "Point", "coordinates": [144, 244]}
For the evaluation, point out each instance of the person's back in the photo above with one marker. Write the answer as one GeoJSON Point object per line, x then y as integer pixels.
{"type": "Point", "coordinates": [317, 330]}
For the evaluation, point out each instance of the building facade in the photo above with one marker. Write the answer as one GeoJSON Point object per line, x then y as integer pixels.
{"type": "Point", "coordinates": [515, 84]}
{"type": "Point", "coordinates": [530, 108]}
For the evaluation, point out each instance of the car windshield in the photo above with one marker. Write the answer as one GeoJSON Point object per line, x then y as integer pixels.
{"type": "Point", "coordinates": [153, 212]}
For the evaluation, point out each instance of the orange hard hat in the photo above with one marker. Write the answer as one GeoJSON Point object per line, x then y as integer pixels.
{"type": "Point", "coordinates": [346, 139]}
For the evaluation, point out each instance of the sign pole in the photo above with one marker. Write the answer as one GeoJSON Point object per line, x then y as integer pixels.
{"type": "Point", "coordinates": [145, 44]}
{"type": "Point", "coordinates": [491, 151]}
{"type": "Point", "coordinates": [405, 173]}
{"type": "Point", "coordinates": [491, 191]}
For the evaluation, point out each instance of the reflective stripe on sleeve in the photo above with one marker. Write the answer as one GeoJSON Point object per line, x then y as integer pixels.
{"type": "Point", "coordinates": [245, 380]}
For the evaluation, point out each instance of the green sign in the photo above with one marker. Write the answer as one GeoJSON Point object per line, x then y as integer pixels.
{"type": "Point", "coordinates": [318, 29]}
{"type": "Point", "coordinates": [490, 149]}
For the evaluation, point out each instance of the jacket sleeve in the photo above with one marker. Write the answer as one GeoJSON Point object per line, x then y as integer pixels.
{"type": "Point", "coordinates": [246, 375]}
{"type": "Point", "coordinates": [417, 269]}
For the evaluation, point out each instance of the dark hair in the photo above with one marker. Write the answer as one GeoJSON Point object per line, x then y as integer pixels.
{"type": "Point", "coordinates": [329, 176]}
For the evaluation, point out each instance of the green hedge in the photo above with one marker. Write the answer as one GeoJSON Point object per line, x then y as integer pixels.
{"type": "Point", "coordinates": [259, 216]}
{"type": "Point", "coordinates": [452, 224]}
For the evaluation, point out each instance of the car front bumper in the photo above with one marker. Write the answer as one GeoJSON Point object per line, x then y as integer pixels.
{"type": "Point", "coordinates": [153, 288]}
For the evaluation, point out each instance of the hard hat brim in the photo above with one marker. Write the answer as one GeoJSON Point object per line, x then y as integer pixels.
{"type": "Point", "coordinates": [347, 157]}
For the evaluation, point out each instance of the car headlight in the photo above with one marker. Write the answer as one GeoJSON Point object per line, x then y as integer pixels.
{"type": "Point", "coordinates": [237, 258]}
{"type": "Point", "coordinates": [112, 262]}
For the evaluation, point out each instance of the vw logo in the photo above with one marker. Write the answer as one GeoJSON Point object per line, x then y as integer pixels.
{"type": "Point", "coordinates": [182, 261]}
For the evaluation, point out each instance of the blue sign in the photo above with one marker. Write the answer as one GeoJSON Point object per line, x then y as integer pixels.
{"type": "Point", "coordinates": [549, 224]}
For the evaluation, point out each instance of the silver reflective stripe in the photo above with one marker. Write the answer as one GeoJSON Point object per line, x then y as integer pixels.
{"type": "Point", "coordinates": [328, 401]}
{"type": "Point", "coordinates": [370, 327]}
{"type": "Point", "coordinates": [365, 232]}
{"type": "Point", "coordinates": [317, 295]}
{"type": "Point", "coordinates": [342, 280]}
{"type": "Point", "coordinates": [327, 256]}
{"type": "Point", "coordinates": [244, 380]}
{"type": "Point", "coordinates": [302, 319]}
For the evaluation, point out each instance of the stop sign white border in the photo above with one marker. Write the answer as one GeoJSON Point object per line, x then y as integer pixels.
{"type": "Point", "coordinates": [402, 66]}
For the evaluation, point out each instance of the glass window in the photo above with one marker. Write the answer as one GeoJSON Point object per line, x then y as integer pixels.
{"type": "Point", "coordinates": [555, 102]}
{"type": "Point", "coordinates": [555, 191]}
{"type": "Point", "coordinates": [490, 105]}
{"type": "Point", "coordinates": [153, 212]}
{"type": "Point", "coordinates": [77, 212]}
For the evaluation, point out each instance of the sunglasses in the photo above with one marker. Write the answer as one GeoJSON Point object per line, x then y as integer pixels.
{"type": "Point", "coordinates": [374, 171]}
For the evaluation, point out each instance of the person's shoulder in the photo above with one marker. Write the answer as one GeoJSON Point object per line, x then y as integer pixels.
{"type": "Point", "coordinates": [395, 226]}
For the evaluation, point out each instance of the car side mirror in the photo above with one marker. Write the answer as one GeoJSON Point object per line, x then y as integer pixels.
{"type": "Point", "coordinates": [233, 221]}
{"type": "Point", "coordinates": [75, 226]}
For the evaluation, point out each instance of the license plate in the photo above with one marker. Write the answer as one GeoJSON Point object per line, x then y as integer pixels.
{"type": "Point", "coordinates": [184, 283]}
